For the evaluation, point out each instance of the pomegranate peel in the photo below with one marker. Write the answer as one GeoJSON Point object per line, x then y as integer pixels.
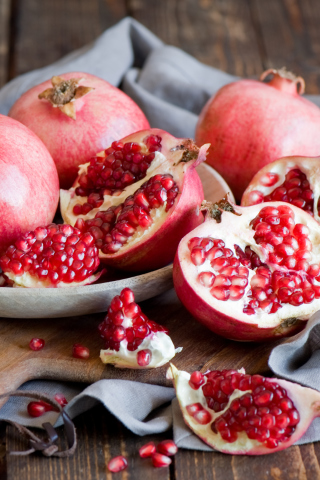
{"type": "Point", "coordinates": [138, 226]}
{"type": "Point", "coordinates": [231, 278]}
{"type": "Point", "coordinates": [290, 179]}
{"type": "Point", "coordinates": [245, 431]}
{"type": "Point", "coordinates": [132, 340]}
{"type": "Point", "coordinates": [96, 117]}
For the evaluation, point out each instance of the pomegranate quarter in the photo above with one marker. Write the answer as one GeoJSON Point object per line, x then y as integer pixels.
{"type": "Point", "coordinates": [295, 180]}
{"type": "Point", "coordinates": [251, 273]}
{"type": "Point", "coordinates": [243, 414]}
{"type": "Point", "coordinates": [138, 198]}
{"type": "Point", "coordinates": [132, 340]}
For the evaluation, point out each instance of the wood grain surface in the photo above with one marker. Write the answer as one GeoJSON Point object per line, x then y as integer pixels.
{"type": "Point", "coordinates": [242, 37]}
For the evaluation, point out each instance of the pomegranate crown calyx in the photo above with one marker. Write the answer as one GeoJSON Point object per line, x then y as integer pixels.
{"type": "Point", "coordinates": [64, 93]}
{"type": "Point", "coordinates": [215, 210]}
{"type": "Point", "coordinates": [284, 80]}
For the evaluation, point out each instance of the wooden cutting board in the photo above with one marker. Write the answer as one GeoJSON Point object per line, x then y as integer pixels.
{"type": "Point", "coordinates": [202, 349]}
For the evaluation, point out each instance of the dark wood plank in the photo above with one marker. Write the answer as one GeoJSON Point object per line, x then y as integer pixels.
{"type": "Point", "coordinates": [101, 437]}
{"type": "Point", "coordinates": [48, 30]}
{"type": "Point", "coordinates": [4, 40]}
{"type": "Point", "coordinates": [295, 463]}
{"type": "Point", "coordinates": [216, 32]}
{"type": "Point", "coordinates": [291, 37]}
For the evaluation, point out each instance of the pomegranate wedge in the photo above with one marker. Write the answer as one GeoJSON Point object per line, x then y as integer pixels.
{"type": "Point", "coordinates": [132, 340]}
{"type": "Point", "coordinates": [138, 198]}
{"type": "Point", "coordinates": [290, 179]}
{"type": "Point", "coordinates": [243, 414]}
{"type": "Point", "coordinates": [52, 256]}
{"type": "Point", "coordinates": [251, 273]}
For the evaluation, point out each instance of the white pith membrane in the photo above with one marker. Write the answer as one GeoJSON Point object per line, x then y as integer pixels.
{"type": "Point", "coordinates": [305, 400]}
{"type": "Point", "coordinates": [310, 166]}
{"type": "Point", "coordinates": [159, 344]}
{"type": "Point", "coordinates": [30, 281]}
{"type": "Point", "coordinates": [236, 230]}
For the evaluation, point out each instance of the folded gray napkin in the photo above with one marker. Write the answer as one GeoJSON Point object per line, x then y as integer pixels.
{"type": "Point", "coordinates": [171, 87]}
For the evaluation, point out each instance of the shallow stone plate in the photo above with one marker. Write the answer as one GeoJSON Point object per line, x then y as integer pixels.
{"type": "Point", "coordinates": [67, 302]}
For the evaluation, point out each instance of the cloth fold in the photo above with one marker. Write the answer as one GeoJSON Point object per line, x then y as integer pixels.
{"type": "Point", "coordinates": [171, 87]}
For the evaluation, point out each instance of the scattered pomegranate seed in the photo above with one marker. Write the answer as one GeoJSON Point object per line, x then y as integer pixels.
{"type": "Point", "coordinates": [37, 409]}
{"type": "Point", "coordinates": [79, 351]}
{"type": "Point", "coordinates": [167, 447]}
{"type": "Point", "coordinates": [117, 464]}
{"type": "Point", "coordinates": [61, 399]}
{"type": "Point", "coordinates": [147, 450]}
{"type": "Point", "coordinates": [36, 344]}
{"type": "Point", "coordinates": [159, 460]}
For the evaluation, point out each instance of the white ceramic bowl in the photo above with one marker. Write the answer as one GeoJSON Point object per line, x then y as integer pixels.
{"type": "Point", "coordinates": [67, 302]}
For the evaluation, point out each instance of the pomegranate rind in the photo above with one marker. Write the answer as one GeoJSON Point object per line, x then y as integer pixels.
{"type": "Point", "coordinates": [306, 401]}
{"type": "Point", "coordinates": [227, 318]}
{"type": "Point", "coordinates": [159, 344]}
{"type": "Point", "coordinates": [310, 166]}
{"type": "Point", "coordinates": [102, 116]}
{"type": "Point", "coordinates": [155, 247]}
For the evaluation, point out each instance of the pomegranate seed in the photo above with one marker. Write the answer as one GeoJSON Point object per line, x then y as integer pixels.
{"type": "Point", "coordinates": [194, 408]}
{"type": "Point", "coordinates": [167, 447]}
{"type": "Point", "coordinates": [117, 464]}
{"type": "Point", "coordinates": [60, 398]}
{"type": "Point", "coordinates": [159, 460]}
{"type": "Point", "coordinates": [196, 380]}
{"type": "Point", "coordinates": [37, 409]}
{"type": "Point", "coordinates": [79, 351]}
{"type": "Point", "coordinates": [144, 357]}
{"type": "Point", "coordinates": [147, 450]}
{"type": "Point", "coordinates": [203, 417]}
{"type": "Point", "coordinates": [36, 344]}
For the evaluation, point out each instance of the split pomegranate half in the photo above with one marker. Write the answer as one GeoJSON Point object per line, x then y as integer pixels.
{"type": "Point", "coordinates": [131, 339]}
{"type": "Point", "coordinates": [243, 414]}
{"type": "Point", "coordinates": [138, 198]}
{"type": "Point", "coordinates": [295, 180]}
{"type": "Point", "coordinates": [251, 273]}
{"type": "Point", "coordinates": [51, 256]}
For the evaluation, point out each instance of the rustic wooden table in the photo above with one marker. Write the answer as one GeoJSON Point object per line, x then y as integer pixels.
{"type": "Point", "coordinates": [242, 37]}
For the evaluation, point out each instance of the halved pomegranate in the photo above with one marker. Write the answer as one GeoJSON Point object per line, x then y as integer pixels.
{"type": "Point", "coordinates": [132, 340]}
{"type": "Point", "coordinates": [52, 256]}
{"type": "Point", "coordinates": [138, 198]}
{"type": "Point", "coordinates": [251, 273]}
{"type": "Point", "coordinates": [295, 180]}
{"type": "Point", "coordinates": [243, 414]}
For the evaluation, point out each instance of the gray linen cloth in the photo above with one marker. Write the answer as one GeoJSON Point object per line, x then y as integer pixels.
{"type": "Point", "coordinates": [171, 87]}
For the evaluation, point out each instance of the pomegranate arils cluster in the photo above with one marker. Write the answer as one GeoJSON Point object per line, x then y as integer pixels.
{"type": "Point", "coordinates": [265, 412]}
{"type": "Point", "coordinates": [52, 255]}
{"type": "Point", "coordinates": [115, 226]}
{"type": "Point", "coordinates": [122, 165]}
{"type": "Point", "coordinates": [140, 342]}
{"type": "Point", "coordinates": [286, 244]}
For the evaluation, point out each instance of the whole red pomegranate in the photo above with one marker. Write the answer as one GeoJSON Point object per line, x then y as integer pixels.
{"type": "Point", "coordinates": [251, 273]}
{"type": "Point", "coordinates": [250, 124]}
{"type": "Point", "coordinates": [244, 414]}
{"type": "Point", "coordinates": [29, 186]}
{"type": "Point", "coordinates": [76, 115]}
{"type": "Point", "coordinates": [138, 198]}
